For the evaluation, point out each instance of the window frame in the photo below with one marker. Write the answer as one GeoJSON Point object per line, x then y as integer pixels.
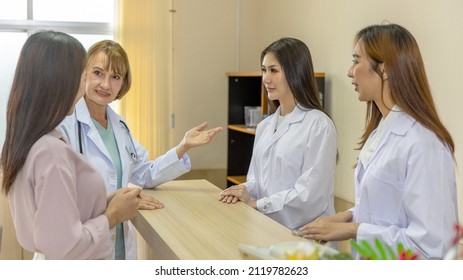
{"type": "Point", "coordinates": [30, 25]}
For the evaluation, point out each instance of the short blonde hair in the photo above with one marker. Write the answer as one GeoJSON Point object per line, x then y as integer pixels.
{"type": "Point", "coordinates": [116, 58]}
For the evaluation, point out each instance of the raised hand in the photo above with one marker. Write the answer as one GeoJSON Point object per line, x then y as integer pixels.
{"type": "Point", "coordinates": [197, 136]}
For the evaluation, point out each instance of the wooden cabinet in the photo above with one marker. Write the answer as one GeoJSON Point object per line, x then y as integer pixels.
{"type": "Point", "coordinates": [245, 89]}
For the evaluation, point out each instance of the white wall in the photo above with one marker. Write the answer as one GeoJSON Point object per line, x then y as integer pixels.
{"type": "Point", "coordinates": [208, 39]}
{"type": "Point", "coordinates": [204, 48]}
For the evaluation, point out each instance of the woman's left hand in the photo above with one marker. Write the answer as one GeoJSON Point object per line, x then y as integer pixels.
{"type": "Point", "coordinates": [147, 202]}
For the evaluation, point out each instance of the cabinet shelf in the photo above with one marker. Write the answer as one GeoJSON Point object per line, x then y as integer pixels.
{"type": "Point", "coordinates": [242, 128]}
{"type": "Point", "coordinates": [244, 89]}
{"type": "Point", "coordinates": [236, 179]}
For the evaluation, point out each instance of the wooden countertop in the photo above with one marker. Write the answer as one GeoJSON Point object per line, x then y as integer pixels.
{"type": "Point", "coordinates": [195, 225]}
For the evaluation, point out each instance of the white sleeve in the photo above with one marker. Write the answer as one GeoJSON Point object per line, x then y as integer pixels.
{"type": "Point", "coordinates": [151, 173]}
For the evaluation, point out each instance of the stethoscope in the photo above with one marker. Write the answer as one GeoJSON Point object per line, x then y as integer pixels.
{"type": "Point", "coordinates": [132, 153]}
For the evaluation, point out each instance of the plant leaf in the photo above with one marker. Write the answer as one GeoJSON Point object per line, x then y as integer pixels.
{"type": "Point", "coordinates": [370, 250]}
{"type": "Point", "coordinates": [358, 248]}
{"type": "Point", "coordinates": [380, 248]}
{"type": "Point", "coordinates": [391, 252]}
{"type": "Point", "coordinates": [400, 247]}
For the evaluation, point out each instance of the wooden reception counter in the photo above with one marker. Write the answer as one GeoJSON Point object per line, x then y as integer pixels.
{"type": "Point", "coordinates": [195, 225]}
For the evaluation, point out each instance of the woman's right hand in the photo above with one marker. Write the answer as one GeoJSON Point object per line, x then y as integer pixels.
{"type": "Point", "coordinates": [330, 228]}
{"type": "Point", "coordinates": [237, 193]}
{"type": "Point", "coordinates": [227, 197]}
{"type": "Point", "coordinates": [122, 206]}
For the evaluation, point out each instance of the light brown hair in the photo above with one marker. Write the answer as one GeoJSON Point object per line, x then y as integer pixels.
{"type": "Point", "coordinates": [395, 46]}
{"type": "Point", "coordinates": [116, 59]}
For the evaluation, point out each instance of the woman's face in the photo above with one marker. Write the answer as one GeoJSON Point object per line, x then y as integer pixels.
{"type": "Point", "coordinates": [102, 86]}
{"type": "Point", "coordinates": [367, 82]}
{"type": "Point", "coordinates": [274, 79]}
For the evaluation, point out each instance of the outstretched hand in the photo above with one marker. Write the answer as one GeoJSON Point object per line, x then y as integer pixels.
{"type": "Point", "coordinates": [197, 136]}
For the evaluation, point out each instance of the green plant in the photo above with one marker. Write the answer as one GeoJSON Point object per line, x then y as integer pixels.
{"type": "Point", "coordinates": [382, 251]}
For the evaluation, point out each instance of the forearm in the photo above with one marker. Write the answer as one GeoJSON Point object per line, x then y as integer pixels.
{"type": "Point", "coordinates": [181, 150]}
{"type": "Point", "coordinates": [164, 168]}
{"type": "Point", "coordinates": [340, 217]}
{"type": "Point", "coordinates": [253, 204]}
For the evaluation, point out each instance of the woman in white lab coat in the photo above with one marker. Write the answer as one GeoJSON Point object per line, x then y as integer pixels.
{"type": "Point", "coordinates": [291, 175]}
{"type": "Point", "coordinates": [104, 138]}
{"type": "Point", "coordinates": [405, 181]}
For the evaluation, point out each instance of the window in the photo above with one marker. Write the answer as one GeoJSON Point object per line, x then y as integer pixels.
{"type": "Point", "coordinates": [88, 21]}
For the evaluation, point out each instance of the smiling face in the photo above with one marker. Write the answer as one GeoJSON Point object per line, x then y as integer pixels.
{"type": "Point", "coordinates": [103, 85]}
{"type": "Point", "coordinates": [275, 81]}
{"type": "Point", "coordinates": [368, 83]}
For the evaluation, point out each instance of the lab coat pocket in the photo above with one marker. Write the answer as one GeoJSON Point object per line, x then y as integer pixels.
{"type": "Point", "coordinates": [384, 193]}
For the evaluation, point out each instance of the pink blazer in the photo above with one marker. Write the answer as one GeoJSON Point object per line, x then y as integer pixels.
{"type": "Point", "coordinates": [57, 203]}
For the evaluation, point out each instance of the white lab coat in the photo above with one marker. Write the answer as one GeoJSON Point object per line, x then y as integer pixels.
{"type": "Point", "coordinates": [144, 173]}
{"type": "Point", "coordinates": [406, 193]}
{"type": "Point", "coordinates": [291, 174]}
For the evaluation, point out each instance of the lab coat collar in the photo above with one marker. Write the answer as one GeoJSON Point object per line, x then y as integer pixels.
{"type": "Point", "coordinates": [88, 128]}
{"type": "Point", "coordinates": [83, 115]}
{"type": "Point", "coordinates": [297, 115]}
{"type": "Point", "coordinates": [400, 125]}
{"type": "Point", "coordinates": [113, 116]}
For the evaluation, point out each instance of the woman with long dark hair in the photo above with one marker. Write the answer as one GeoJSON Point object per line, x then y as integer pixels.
{"type": "Point", "coordinates": [291, 175]}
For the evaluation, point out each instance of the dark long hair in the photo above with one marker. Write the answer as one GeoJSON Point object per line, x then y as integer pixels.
{"type": "Point", "coordinates": [295, 60]}
{"type": "Point", "coordinates": [395, 46]}
{"type": "Point", "coordinates": [45, 85]}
